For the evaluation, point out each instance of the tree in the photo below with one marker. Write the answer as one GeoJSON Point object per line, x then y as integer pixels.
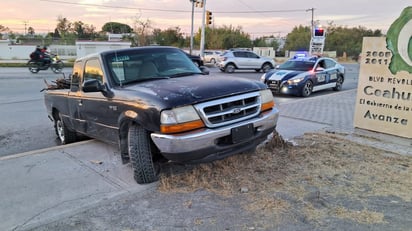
{"type": "Point", "coordinates": [30, 31]}
{"type": "Point", "coordinates": [266, 42]}
{"type": "Point", "coordinates": [340, 39]}
{"type": "Point", "coordinates": [347, 40]}
{"type": "Point", "coordinates": [63, 26]}
{"type": "Point", "coordinates": [224, 37]}
{"type": "Point", "coordinates": [116, 28]}
{"type": "Point", "coordinates": [142, 31]}
{"type": "Point", "coordinates": [84, 31]}
{"type": "Point", "coordinates": [3, 29]}
{"type": "Point", "coordinates": [170, 37]}
{"type": "Point", "coordinates": [298, 39]}
{"type": "Point", "coordinates": [56, 34]}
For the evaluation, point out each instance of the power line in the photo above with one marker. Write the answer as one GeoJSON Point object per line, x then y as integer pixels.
{"type": "Point", "coordinates": [114, 7]}
{"type": "Point", "coordinates": [175, 11]}
{"type": "Point", "coordinates": [259, 11]}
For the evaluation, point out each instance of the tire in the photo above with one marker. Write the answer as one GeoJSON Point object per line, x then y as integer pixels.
{"type": "Point", "coordinates": [266, 67]}
{"type": "Point", "coordinates": [140, 153]}
{"type": "Point", "coordinates": [339, 83]}
{"type": "Point", "coordinates": [307, 89]}
{"type": "Point", "coordinates": [57, 67]}
{"type": "Point", "coordinates": [33, 67]}
{"type": "Point", "coordinates": [64, 134]}
{"type": "Point", "coordinates": [230, 68]}
{"type": "Point", "coordinates": [213, 61]}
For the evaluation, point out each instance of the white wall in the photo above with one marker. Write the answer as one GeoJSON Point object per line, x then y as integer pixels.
{"type": "Point", "coordinates": [265, 51]}
{"type": "Point", "coordinates": [10, 51]}
{"type": "Point", "coordinates": [84, 48]}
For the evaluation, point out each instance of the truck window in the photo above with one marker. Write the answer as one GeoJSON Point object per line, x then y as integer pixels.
{"type": "Point", "coordinates": [75, 78]}
{"type": "Point", "coordinates": [92, 70]}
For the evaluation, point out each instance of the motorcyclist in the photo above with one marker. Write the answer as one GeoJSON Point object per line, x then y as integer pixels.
{"type": "Point", "coordinates": [36, 54]}
{"type": "Point", "coordinates": [45, 56]}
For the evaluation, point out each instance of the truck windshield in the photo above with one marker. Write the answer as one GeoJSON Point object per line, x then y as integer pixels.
{"type": "Point", "coordinates": [135, 65]}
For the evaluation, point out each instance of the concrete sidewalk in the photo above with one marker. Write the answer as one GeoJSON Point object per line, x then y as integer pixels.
{"type": "Point", "coordinates": [45, 185]}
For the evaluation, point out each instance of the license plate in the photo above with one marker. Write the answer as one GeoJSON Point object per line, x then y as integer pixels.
{"type": "Point", "coordinates": [242, 133]}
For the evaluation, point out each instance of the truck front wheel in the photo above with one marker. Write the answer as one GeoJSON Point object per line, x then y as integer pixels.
{"type": "Point", "coordinates": [140, 152]}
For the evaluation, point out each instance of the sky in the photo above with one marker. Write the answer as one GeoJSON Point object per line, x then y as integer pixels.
{"type": "Point", "coordinates": [256, 17]}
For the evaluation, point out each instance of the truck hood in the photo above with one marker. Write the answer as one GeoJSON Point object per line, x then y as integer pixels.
{"type": "Point", "coordinates": [181, 91]}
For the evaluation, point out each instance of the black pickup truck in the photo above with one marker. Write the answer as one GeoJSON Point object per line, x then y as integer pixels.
{"type": "Point", "coordinates": [154, 102]}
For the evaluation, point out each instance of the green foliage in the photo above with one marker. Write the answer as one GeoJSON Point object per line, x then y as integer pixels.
{"type": "Point", "coordinates": [224, 37]}
{"type": "Point", "coordinates": [266, 42]}
{"type": "Point", "coordinates": [343, 40]}
{"type": "Point", "coordinates": [298, 39]}
{"type": "Point", "coordinates": [116, 28]}
{"type": "Point", "coordinates": [3, 29]}
{"type": "Point", "coordinates": [63, 26]}
{"type": "Point", "coordinates": [347, 41]}
{"type": "Point", "coordinates": [169, 37]}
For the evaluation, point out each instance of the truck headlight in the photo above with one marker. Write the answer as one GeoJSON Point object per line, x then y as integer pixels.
{"type": "Point", "coordinates": [267, 101]}
{"type": "Point", "coordinates": [180, 119]}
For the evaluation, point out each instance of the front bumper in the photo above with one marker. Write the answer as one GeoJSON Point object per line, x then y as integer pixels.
{"type": "Point", "coordinates": [284, 88]}
{"type": "Point", "coordinates": [221, 65]}
{"type": "Point", "coordinates": [211, 144]}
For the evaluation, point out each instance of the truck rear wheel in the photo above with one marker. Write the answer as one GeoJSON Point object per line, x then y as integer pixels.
{"type": "Point", "coordinates": [65, 135]}
{"type": "Point", "coordinates": [141, 158]}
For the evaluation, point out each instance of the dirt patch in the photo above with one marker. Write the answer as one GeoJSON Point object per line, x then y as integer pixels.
{"type": "Point", "coordinates": [320, 177]}
{"type": "Point", "coordinates": [322, 181]}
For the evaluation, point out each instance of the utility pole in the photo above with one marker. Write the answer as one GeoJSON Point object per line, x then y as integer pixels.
{"type": "Point", "coordinates": [191, 30]}
{"type": "Point", "coordinates": [312, 22]}
{"type": "Point", "coordinates": [25, 27]}
{"type": "Point", "coordinates": [202, 38]}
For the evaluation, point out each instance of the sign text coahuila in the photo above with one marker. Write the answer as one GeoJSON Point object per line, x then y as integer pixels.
{"type": "Point", "coordinates": [384, 96]}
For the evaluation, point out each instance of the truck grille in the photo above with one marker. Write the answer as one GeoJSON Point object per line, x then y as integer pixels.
{"type": "Point", "coordinates": [229, 110]}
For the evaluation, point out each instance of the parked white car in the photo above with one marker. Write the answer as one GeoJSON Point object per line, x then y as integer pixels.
{"type": "Point", "coordinates": [211, 56]}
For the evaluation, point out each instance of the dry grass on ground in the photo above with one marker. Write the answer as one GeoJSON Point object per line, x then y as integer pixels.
{"type": "Point", "coordinates": [321, 166]}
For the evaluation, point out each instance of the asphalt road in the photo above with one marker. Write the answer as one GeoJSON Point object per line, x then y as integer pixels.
{"type": "Point", "coordinates": [24, 125]}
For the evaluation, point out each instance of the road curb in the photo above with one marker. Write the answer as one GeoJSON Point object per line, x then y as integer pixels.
{"type": "Point", "coordinates": [44, 150]}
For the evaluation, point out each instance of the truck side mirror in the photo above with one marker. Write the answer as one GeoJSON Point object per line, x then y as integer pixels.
{"type": "Point", "coordinates": [204, 70]}
{"type": "Point", "coordinates": [92, 85]}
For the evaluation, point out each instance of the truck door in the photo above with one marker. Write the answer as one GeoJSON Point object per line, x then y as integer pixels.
{"type": "Point", "coordinates": [98, 113]}
{"type": "Point", "coordinates": [74, 98]}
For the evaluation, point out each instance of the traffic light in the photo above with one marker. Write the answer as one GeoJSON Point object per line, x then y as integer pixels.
{"type": "Point", "coordinates": [199, 3]}
{"type": "Point", "coordinates": [320, 32]}
{"type": "Point", "coordinates": [209, 18]}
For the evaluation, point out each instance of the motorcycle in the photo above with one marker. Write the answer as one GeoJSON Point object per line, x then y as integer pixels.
{"type": "Point", "coordinates": [55, 64]}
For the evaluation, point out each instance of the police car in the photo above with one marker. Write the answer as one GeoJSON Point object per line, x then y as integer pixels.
{"type": "Point", "coordinates": [302, 75]}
